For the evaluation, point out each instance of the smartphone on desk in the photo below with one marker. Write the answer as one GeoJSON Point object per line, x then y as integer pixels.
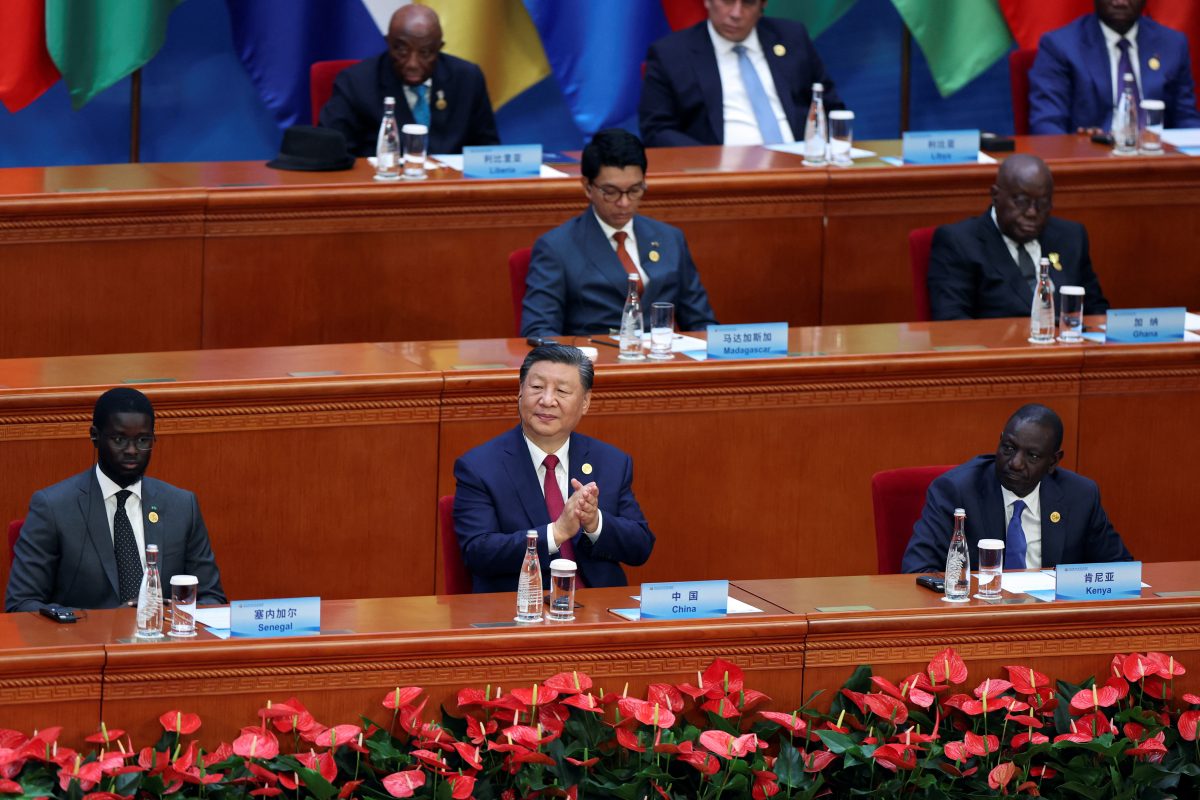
{"type": "Point", "coordinates": [933, 583]}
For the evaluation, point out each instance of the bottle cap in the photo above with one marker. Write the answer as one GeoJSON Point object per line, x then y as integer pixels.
{"type": "Point", "coordinates": [151, 548]}
{"type": "Point", "coordinates": [389, 101]}
{"type": "Point", "coordinates": [1127, 76]}
{"type": "Point", "coordinates": [818, 87]}
{"type": "Point", "coordinates": [531, 533]}
{"type": "Point", "coordinates": [1044, 260]}
{"type": "Point", "coordinates": [960, 511]}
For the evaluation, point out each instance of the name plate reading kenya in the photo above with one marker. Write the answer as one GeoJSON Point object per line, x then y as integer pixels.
{"type": "Point", "coordinates": [1098, 581]}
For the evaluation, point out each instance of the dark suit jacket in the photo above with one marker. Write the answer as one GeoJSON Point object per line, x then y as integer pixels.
{"type": "Point", "coordinates": [498, 498]}
{"type": "Point", "coordinates": [972, 275]}
{"type": "Point", "coordinates": [576, 284]}
{"type": "Point", "coordinates": [681, 95]}
{"type": "Point", "coordinates": [356, 106]}
{"type": "Point", "coordinates": [65, 553]}
{"type": "Point", "coordinates": [1082, 535]}
{"type": "Point", "coordinates": [1070, 84]}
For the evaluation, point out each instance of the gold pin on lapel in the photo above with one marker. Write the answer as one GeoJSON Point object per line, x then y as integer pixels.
{"type": "Point", "coordinates": [440, 103]}
{"type": "Point", "coordinates": [586, 469]}
{"type": "Point", "coordinates": [1154, 63]}
{"type": "Point", "coordinates": [780, 50]}
{"type": "Point", "coordinates": [654, 256]}
{"type": "Point", "coordinates": [1055, 262]}
{"type": "Point", "coordinates": [152, 516]}
{"type": "Point", "coordinates": [1055, 516]}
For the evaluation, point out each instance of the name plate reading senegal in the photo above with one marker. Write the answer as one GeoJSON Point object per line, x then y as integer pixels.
{"type": "Point", "coordinates": [685, 599]}
{"type": "Point", "coordinates": [758, 340]}
{"type": "Point", "coordinates": [289, 616]}
{"type": "Point", "coordinates": [503, 161]}
{"type": "Point", "coordinates": [941, 147]}
{"type": "Point", "coordinates": [1145, 325]}
{"type": "Point", "coordinates": [1098, 581]}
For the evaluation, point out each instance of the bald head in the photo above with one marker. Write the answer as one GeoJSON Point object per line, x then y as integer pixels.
{"type": "Point", "coordinates": [414, 41]}
{"type": "Point", "coordinates": [1023, 196]}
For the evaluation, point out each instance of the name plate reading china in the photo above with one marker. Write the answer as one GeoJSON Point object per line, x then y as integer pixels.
{"type": "Point", "coordinates": [503, 161]}
{"type": "Point", "coordinates": [289, 616]}
{"type": "Point", "coordinates": [685, 599]}
{"type": "Point", "coordinates": [941, 147]}
{"type": "Point", "coordinates": [1145, 325]}
{"type": "Point", "coordinates": [756, 340]}
{"type": "Point", "coordinates": [1119, 579]}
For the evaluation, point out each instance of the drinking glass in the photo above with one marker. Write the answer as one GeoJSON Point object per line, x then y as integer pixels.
{"type": "Point", "coordinates": [662, 330]}
{"type": "Point", "coordinates": [183, 605]}
{"type": "Point", "coordinates": [414, 138]}
{"type": "Point", "coordinates": [991, 568]}
{"type": "Point", "coordinates": [841, 136]}
{"type": "Point", "coordinates": [562, 590]}
{"type": "Point", "coordinates": [1150, 138]}
{"type": "Point", "coordinates": [1070, 316]}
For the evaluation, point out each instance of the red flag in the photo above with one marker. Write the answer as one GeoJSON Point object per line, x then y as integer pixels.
{"type": "Point", "coordinates": [1029, 19]}
{"type": "Point", "coordinates": [26, 70]}
{"type": "Point", "coordinates": [684, 13]}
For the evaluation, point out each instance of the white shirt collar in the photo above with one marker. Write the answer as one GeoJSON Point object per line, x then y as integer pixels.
{"type": "Point", "coordinates": [109, 488]}
{"type": "Point", "coordinates": [609, 230]}
{"type": "Point", "coordinates": [1111, 37]}
{"type": "Point", "coordinates": [539, 455]}
{"type": "Point", "coordinates": [1033, 500]}
{"type": "Point", "coordinates": [1013, 244]}
{"type": "Point", "coordinates": [721, 45]}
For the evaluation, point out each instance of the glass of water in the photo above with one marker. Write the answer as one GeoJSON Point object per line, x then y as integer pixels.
{"type": "Point", "coordinates": [183, 605]}
{"type": "Point", "coordinates": [1070, 317]}
{"type": "Point", "coordinates": [1150, 137]}
{"type": "Point", "coordinates": [841, 136]}
{"type": "Point", "coordinates": [991, 568]}
{"type": "Point", "coordinates": [414, 139]}
{"type": "Point", "coordinates": [662, 330]}
{"type": "Point", "coordinates": [562, 590]}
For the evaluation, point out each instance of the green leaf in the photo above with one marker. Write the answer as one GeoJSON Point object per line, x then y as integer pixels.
{"type": "Point", "coordinates": [789, 766]}
{"type": "Point", "coordinates": [836, 741]}
{"type": "Point", "coordinates": [316, 784]}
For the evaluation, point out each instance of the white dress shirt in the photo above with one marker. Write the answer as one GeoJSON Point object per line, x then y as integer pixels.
{"type": "Point", "coordinates": [133, 508]}
{"type": "Point", "coordinates": [560, 474]}
{"type": "Point", "coordinates": [1111, 40]}
{"type": "Point", "coordinates": [1031, 523]}
{"type": "Point", "coordinates": [410, 96]}
{"type": "Point", "coordinates": [741, 126]}
{"type": "Point", "coordinates": [630, 247]}
{"type": "Point", "coordinates": [1033, 247]}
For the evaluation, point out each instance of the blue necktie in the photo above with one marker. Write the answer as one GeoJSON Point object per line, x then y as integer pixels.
{"type": "Point", "coordinates": [1125, 67]}
{"type": "Point", "coordinates": [421, 107]}
{"type": "Point", "coordinates": [768, 126]}
{"type": "Point", "coordinates": [1014, 540]}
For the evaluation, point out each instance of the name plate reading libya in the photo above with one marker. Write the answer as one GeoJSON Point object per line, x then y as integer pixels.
{"type": "Point", "coordinates": [757, 340]}
{"type": "Point", "coordinates": [941, 147]}
{"type": "Point", "coordinates": [289, 616]}
{"type": "Point", "coordinates": [1098, 581]}
{"type": "Point", "coordinates": [685, 599]}
{"type": "Point", "coordinates": [503, 161]}
{"type": "Point", "coordinates": [1145, 325]}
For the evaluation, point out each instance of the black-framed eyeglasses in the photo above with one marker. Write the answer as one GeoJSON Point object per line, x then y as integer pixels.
{"type": "Point", "coordinates": [612, 194]}
{"type": "Point", "coordinates": [1023, 202]}
{"type": "Point", "coordinates": [142, 443]}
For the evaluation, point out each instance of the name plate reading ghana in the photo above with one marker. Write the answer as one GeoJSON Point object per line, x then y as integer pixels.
{"type": "Point", "coordinates": [685, 599]}
{"type": "Point", "coordinates": [1098, 581]}
{"type": "Point", "coordinates": [941, 147]}
{"type": "Point", "coordinates": [503, 161]}
{"type": "Point", "coordinates": [289, 616]}
{"type": "Point", "coordinates": [1145, 325]}
{"type": "Point", "coordinates": [758, 340]}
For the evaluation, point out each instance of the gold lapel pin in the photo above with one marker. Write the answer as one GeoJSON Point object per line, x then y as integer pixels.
{"type": "Point", "coordinates": [1154, 63]}
{"type": "Point", "coordinates": [779, 50]}
{"type": "Point", "coordinates": [1055, 516]}
{"type": "Point", "coordinates": [586, 469]}
{"type": "Point", "coordinates": [152, 516]}
{"type": "Point", "coordinates": [1055, 262]}
{"type": "Point", "coordinates": [440, 104]}
{"type": "Point", "coordinates": [654, 256]}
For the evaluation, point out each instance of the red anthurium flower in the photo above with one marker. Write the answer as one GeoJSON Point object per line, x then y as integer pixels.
{"type": "Point", "coordinates": [1156, 687]}
{"type": "Point", "coordinates": [1044, 701]}
{"type": "Point", "coordinates": [105, 735]}
{"type": "Point", "coordinates": [725, 707]}
{"type": "Point", "coordinates": [1194, 699]}
{"type": "Point", "coordinates": [765, 784]}
{"type": "Point", "coordinates": [402, 696]}
{"type": "Point", "coordinates": [348, 789]}
{"type": "Point", "coordinates": [722, 678]}
{"type": "Point", "coordinates": [887, 707]}
{"type": "Point", "coordinates": [629, 740]}
{"type": "Point", "coordinates": [1024, 721]}
{"type": "Point", "coordinates": [507, 701]}
{"type": "Point", "coordinates": [1188, 721]}
{"type": "Point", "coordinates": [653, 714]}
{"type": "Point", "coordinates": [569, 683]}
{"type": "Point", "coordinates": [322, 764]}
{"type": "Point", "coordinates": [705, 763]}
{"type": "Point", "coordinates": [298, 720]}
{"type": "Point", "coordinates": [959, 701]}
{"type": "Point", "coordinates": [992, 687]}
{"type": "Point", "coordinates": [1027, 680]}
{"type": "Point", "coordinates": [887, 687]}
{"type": "Point", "coordinates": [12, 787]}
{"type": "Point", "coordinates": [980, 745]}
{"type": "Point", "coordinates": [478, 731]}
{"type": "Point", "coordinates": [665, 695]}
{"type": "Point", "coordinates": [470, 697]}
{"type": "Point", "coordinates": [337, 735]}
{"type": "Point", "coordinates": [585, 702]}
{"type": "Point", "coordinates": [1096, 724]}
{"type": "Point", "coordinates": [220, 754]}
{"type": "Point", "coordinates": [1001, 775]}
{"type": "Point", "coordinates": [674, 748]}
{"type": "Point", "coordinates": [1153, 749]}
{"type": "Point", "coordinates": [947, 667]}
{"type": "Point", "coordinates": [535, 695]}
{"type": "Point", "coordinates": [590, 762]}
{"type": "Point", "coordinates": [103, 796]}
{"type": "Point", "coordinates": [553, 717]}
{"type": "Point", "coordinates": [1095, 697]}
{"type": "Point", "coordinates": [1043, 772]}
{"type": "Point", "coordinates": [525, 736]}
{"type": "Point", "coordinates": [267, 791]}
{"type": "Point", "coordinates": [428, 757]}
{"type": "Point", "coordinates": [817, 760]}
{"type": "Point", "coordinates": [750, 698]}
{"type": "Point", "coordinates": [88, 775]}
{"type": "Point", "coordinates": [1165, 665]}
{"type": "Point", "coordinates": [410, 717]}
{"type": "Point", "coordinates": [856, 698]}
{"type": "Point", "coordinates": [919, 689]}
{"type": "Point", "coordinates": [153, 761]}
{"type": "Point", "coordinates": [728, 746]}
{"type": "Point", "coordinates": [256, 743]}
{"type": "Point", "coordinates": [691, 691]}
{"type": "Point", "coordinates": [895, 756]}
{"type": "Point", "coordinates": [463, 786]}
{"type": "Point", "coordinates": [1136, 666]}
{"type": "Point", "coordinates": [179, 722]}
{"type": "Point", "coordinates": [469, 754]}
{"type": "Point", "coordinates": [532, 757]}
{"type": "Point", "coordinates": [1133, 731]}
{"type": "Point", "coordinates": [793, 722]}
{"type": "Point", "coordinates": [403, 784]}
{"type": "Point", "coordinates": [1120, 685]}
{"type": "Point", "coordinates": [1029, 737]}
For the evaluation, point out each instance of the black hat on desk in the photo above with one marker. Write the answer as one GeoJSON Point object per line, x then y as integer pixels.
{"type": "Point", "coordinates": [312, 149]}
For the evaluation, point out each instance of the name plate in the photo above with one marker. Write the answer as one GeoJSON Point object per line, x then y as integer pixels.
{"type": "Point", "coordinates": [289, 616]}
{"type": "Point", "coordinates": [758, 340]}
{"type": "Point", "coordinates": [1145, 325]}
{"type": "Point", "coordinates": [941, 147]}
{"type": "Point", "coordinates": [503, 161]}
{"type": "Point", "coordinates": [685, 599]}
{"type": "Point", "coordinates": [1098, 581]}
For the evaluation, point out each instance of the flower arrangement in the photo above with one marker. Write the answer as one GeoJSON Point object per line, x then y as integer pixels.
{"type": "Point", "coordinates": [928, 736]}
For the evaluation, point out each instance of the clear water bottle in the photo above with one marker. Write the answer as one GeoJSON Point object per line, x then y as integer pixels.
{"type": "Point", "coordinates": [958, 561]}
{"type": "Point", "coordinates": [387, 147]}
{"type": "Point", "coordinates": [1125, 127]}
{"type": "Point", "coordinates": [816, 128]}
{"type": "Point", "coordinates": [632, 324]}
{"type": "Point", "coordinates": [150, 598]}
{"type": "Point", "coordinates": [1041, 316]}
{"type": "Point", "coordinates": [529, 585]}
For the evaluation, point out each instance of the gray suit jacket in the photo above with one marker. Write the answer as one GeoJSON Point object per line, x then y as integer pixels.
{"type": "Point", "coordinates": [65, 553]}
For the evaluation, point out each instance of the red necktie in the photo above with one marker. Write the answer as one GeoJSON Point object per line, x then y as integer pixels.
{"type": "Point", "coordinates": [626, 261]}
{"type": "Point", "coordinates": [555, 504]}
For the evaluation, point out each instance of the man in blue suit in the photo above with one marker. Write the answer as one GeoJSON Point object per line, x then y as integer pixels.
{"type": "Point", "coordinates": [739, 78]}
{"type": "Point", "coordinates": [1045, 515]}
{"type": "Point", "coordinates": [579, 272]}
{"type": "Point", "coordinates": [447, 94]}
{"type": "Point", "coordinates": [511, 485]}
{"type": "Point", "coordinates": [1074, 81]}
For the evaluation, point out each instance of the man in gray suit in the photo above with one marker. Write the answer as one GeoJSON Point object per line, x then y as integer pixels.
{"type": "Point", "coordinates": [84, 540]}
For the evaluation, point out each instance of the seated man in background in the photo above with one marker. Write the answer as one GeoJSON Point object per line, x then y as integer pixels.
{"type": "Point", "coordinates": [1075, 81]}
{"type": "Point", "coordinates": [84, 540]}
{"type": "Point", "coordinates": [1046, 516]}
{"type": "Point", "coordinates": [447, 94]}
{"type": "Point", "coordinates": [533, 478]}
{"type": "Point", "coordinates": [578, 274]}
{"type": "Point", "coordinates": [986, 266]}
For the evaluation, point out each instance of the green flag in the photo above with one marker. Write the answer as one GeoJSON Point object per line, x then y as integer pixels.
{"type": "Point", "coordinates": [817, 15]}
{"type": "Point", "coordinates": [96, 43]}
{"type": "Point", "coordinates": [960, 39]}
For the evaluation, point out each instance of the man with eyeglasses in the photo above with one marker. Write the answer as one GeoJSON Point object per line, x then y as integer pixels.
{"type": "Point", "coordinates": [986, 266]}
{"type": "Point", "coordinates": [447, 94]}
{"type": "Point", "coordinates": [84, 540]}
{"type": "Point", "coordinates": [579, 272]}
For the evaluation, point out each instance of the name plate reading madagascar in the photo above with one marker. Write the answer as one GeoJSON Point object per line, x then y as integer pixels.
{"type": "Point", "coordinates": [757, 340]}
{"type": "Point", "coordinates": [289, 616]}
{"type": "Point", "coordinates": [503, 161]}
{"type": "Point", "coordinates": [941, 147]}
{"type": "Point", "coordinates": [1145, 325]}
{"type": "Point", "coordinates": [1098, 581]}
{"type": "Point", "coordinates": [685, 599]}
